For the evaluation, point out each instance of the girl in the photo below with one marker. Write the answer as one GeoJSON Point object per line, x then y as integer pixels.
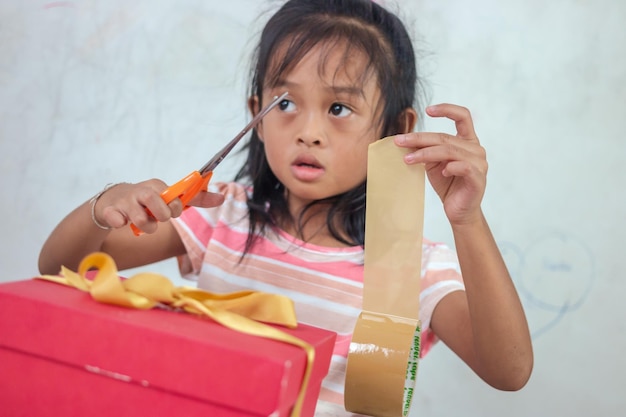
{"type": "Point", "coordinates": [293, 222]}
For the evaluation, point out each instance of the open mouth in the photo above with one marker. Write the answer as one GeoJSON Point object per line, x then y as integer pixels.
{"type": "Point", "coordinates": [307, 165]}
{"type": "Point", "coordinates": [307, 161]}
{"type": "Point", "coordinates": [307, 168]}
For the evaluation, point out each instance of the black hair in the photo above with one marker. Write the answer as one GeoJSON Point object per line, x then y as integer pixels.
{"type": "Point", "coordinates": [297, 27]}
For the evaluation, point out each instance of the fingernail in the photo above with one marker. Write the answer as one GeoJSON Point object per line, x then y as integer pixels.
{"type": "Point", "coordinates": [400, 139]}
{"type": "Point", "coordinates": [409, 157]}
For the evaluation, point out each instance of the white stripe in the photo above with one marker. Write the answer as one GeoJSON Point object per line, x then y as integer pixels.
{"type": "Point", "coordinates": [292, 267]}
{"type": "Point", "coordinates": [440, 266]}
{"type": "Point", "coordinates": [441, 284]}
{"type": "Point", "coordinates": [339, 359]}
{"type": "Point", "coordinates": [297, 297]}
{"type": "Point", "coordinates": [191, 235]}
{"type": "Point", "coordinates": [333, 386]}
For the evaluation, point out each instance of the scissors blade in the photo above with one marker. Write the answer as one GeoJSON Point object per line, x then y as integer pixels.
{"type": "Point", "coordinates": [214, 162]}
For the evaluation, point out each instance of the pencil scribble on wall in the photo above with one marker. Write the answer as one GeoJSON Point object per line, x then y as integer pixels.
{"type": "Point", "coordinates": [554, 276]}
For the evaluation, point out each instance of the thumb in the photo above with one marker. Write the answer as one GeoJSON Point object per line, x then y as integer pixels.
{"type": "Point", "coordinates": [207, 199]}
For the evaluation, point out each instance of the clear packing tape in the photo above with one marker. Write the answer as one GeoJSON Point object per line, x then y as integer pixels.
{"type": "Point", "coordinates": [244, 311]}
{"type": "Point", "coordinates": [384, 352]}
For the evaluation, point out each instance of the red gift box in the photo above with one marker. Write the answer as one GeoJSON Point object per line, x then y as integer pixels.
{"type": "Point", "coordinates": [64, 354]}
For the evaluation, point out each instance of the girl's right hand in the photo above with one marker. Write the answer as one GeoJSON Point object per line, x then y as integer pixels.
{"type": "Point", "coordinates": [142, 205]}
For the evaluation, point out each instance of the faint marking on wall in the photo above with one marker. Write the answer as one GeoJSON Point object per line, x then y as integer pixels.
{"type": "Point", "coordinates": [554, 276]}
{"type": "Point", "coordinates": [54, 4]}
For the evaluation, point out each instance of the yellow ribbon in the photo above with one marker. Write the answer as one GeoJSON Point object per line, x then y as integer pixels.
{"type": "Point", "coordinates": [243, 311]}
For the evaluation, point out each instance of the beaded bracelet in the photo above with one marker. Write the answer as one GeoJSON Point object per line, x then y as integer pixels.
{"type": "Point", "coordinates": [93, 202]}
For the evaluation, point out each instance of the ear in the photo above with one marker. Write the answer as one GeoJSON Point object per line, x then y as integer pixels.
{"type": "Point", "coordinates": [253, 106]}
{"type": "Point", "coordinates": [407, 120]}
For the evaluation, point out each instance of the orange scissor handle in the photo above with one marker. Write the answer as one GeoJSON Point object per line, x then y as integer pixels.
{"type": "Point", "coordinates": [185, 189]}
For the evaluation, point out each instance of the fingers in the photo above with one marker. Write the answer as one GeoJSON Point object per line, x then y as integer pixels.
{"type": "Point", "coordinates": [464, 169]}
{"type": "Point", "coordinates": [462, 120]}
{"type": "Point", "coordinates": [148, 197]}
{"type": "Point", "coordinates": [434, 147]}
{"type": "Point", "coordinates": [461, 116]}
{"type": "Point", "coordinates": [140, 204]}
{"type": "Point", "coordinates": [114, 218]}
{"type": "Point", "coordinates": [456, 165]}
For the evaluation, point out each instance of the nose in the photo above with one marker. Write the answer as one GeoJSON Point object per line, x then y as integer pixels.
{"type": "Point", "coordinates": [311, 132]}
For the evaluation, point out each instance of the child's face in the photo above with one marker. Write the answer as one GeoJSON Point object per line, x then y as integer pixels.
{"type": "Point", "coordinates": [316, 139]}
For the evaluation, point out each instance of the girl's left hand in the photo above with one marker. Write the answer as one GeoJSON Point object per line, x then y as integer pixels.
{"type": "Point", "coordinates": [456, 165]}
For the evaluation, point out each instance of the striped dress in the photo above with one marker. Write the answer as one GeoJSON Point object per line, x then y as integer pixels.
{"type": "Point", "coordinates": [324, 283]}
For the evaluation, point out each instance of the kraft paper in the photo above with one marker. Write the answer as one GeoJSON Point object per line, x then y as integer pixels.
{"type": "Point", "coordinates": [383, 356]}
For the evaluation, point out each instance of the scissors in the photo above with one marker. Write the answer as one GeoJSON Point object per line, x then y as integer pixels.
{"type": "Point", "coordinates": [187, 188]}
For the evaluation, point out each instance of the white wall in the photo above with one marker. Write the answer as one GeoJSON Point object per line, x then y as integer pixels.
{"type": "Point", "coordinates": [94, 92]}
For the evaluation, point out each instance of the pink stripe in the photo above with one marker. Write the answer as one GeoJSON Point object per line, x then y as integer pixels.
{"type": "Point", "coordinates": [349, 270]}
{"type": "Point", "coordinates": [283, 275]}
{"type": "Point", "coordinates": [342, 345]}
{"type": "Point", "coordinates": [197, 225]}
{"type": "Point", "coordinates": [432, 277]}
{"type": "Point", "coordinates": [235, 240]}
{"type": "Point", "coordinates": [427, 340]}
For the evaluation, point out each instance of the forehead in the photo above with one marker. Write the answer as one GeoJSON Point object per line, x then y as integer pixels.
{"type": "Point", "coordinates": [333, 61]}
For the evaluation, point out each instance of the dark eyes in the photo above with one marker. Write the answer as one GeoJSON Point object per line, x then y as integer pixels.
{"type": "Point", "coordinates": [339, 110]}
{"type": "Point", "coordinates": [284, 105]}
{"type": "Point", "coordinates": [336, 109]}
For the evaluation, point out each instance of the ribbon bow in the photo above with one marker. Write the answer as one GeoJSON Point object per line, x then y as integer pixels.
{"type": "Point", "coordinates": [244, 311]}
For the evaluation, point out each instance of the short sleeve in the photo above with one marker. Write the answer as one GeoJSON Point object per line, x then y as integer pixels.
{"type": "Point", "coordinates": [441, 275]}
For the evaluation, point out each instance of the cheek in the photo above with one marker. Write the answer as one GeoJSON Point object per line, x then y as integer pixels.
{"type": "Point", "coordinates": [271, 155]}
{"type": "Point", "coordinates": [272, 146]}
{"type": "Point", "coordinates": [354, 165]}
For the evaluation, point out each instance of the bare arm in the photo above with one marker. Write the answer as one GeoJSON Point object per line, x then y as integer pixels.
{"type": "Point", "coordinates": [77, 235]}
{"type": "Point", "coordinates": [484, 325]}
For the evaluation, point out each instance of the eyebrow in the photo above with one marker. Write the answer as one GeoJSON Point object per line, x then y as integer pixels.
{"type": "Point", "coordinates": [337, 89]}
